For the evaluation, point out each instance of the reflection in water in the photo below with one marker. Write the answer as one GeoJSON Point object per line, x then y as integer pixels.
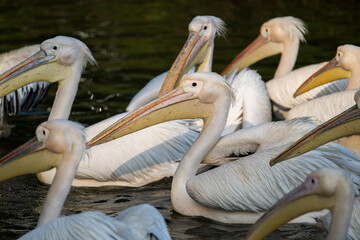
{"type": "Point", "coordinates": [133, 42]}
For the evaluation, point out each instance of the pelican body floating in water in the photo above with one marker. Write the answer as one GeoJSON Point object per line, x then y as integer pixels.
{"type": "Point", "coordinates": [283, 35]}
{"type": "Point", "coordinates": [68, 140]}
{"type": "Point", "coordinates": [239, 191]}
{"type": "Point", "coordinates": [345, 124]}
{"type": "Point", "coordinates": [62, 59]}
{"type": "Point", "coordinates": [325, 188]}
{"type": "Point", "coordinates": [23, 99]}
{"type": "Point", "coordinates": [153, 153]}
{"type": "Point", "coordinates": [345, 64]}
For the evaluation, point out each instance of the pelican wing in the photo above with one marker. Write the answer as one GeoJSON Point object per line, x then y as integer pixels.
{"type": "Point", "coordinates": [281, 89]}
{"type": "Point", "coordinates": [252, 104]}
{"type": "Point", "coordinates": [315, 108]}
{"type": "Point", "coordinates": [135, 159]}
{"type": "Point", "coordinates": [97, 225]}
{"type": "Point", "coordinates": [250, 184]}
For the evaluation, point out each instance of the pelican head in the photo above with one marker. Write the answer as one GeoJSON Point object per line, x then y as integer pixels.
{"type": "Point", "coordinates": [193, 98]}
{"type": "Point", "coordinates": [197, 50]}
{"type": "Point", "coordinates": [344, 65]}
{"type": "Point", "coordinates": [345, 124]}
{"type": "Point", "coordinates": [57, 136]}
{"type": "Point", "coordinates": [275, 35]}
{"type": "Point", "coordinates": [326, 188]}
{"type": "Point", "coordinates": [53, 63]}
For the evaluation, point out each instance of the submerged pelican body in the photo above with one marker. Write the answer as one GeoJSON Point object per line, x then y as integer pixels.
{"type": "Point", "coordinates": [239, 191]}
{"type": "Point", "coordinates": [68, 140]}
{"type": "Point", "coordinates": [152, 153]}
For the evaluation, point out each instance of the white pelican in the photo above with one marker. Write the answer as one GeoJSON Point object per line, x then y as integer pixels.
{"type": "Point", "coordinates": [345, 124]}
{"type": "Point", "coordinates": [283, 35]}
{"type": "Point", "coordinates": [204, 27]}
{"type": "Point", "coordinates": [134, 160]}
{"type": "Point", "coordinates": [346, 63]}
{"type": "Point", "coordinates": [68, 140]}
{"type": "Point", "coordinates": [24, 98]}
{"type": "Point", "coordinates": [130, 161]}
{"type": "Point", "coordinates": [239, 191]}
{"type": "Point", "coordinates": [246, 112]}
{"type": "Point", "coordinates": [326, 188]}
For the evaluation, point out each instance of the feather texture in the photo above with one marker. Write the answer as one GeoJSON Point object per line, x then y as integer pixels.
{"type": "Point", "coordinates": [249, 183]}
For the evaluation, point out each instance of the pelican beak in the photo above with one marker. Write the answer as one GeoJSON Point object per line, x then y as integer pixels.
{"type": "Point", "coordinates": [38, 67]}
{"type": "Point", "coordinates": [176, 104]}
{"type": "Point", "coordinates": [328, 73]}
{"type": "Point", "coordinates": [301, 200]}
{"type": "Point", "coordinates": [32, 157]}
{"type": "Point", "coordinates": [345, 124]}
{"type": "Point", "coordinates": [191, 54]}
{"type": "Point", "coordinates": [259, 49]}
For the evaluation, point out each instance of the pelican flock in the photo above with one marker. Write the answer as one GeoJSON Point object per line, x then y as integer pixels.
{"type": "Point", "coordinates": [241, 190]}
{"type": "Point", "coordinates": [212, 133]}
{"type": "Point", "coordinates": [68, 140]}
{"type": "Point", "coordinates": [145, 156]}
{"type": "Point", "coordinates": [283, 35]}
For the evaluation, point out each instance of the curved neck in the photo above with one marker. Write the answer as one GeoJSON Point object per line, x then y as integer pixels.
{"type": "Point", "coordinates": [190, 163]}
{"type": "Point", "coordinates": [206, 64]}
{"type": "Point", "coordinates": [341, 212]}
{"type": "Point", "coordinates": [61, 184]}
{"type": "Point", "coordinates": [354, 81]}
{"type": "Point", "coordinates": [65, 94]}
{"type": "Point", "coordinates": [288, 58]}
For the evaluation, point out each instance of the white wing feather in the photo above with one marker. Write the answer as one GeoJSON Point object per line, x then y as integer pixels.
{"type": "Point", "coordinates": [325, 107]}
{"type": "Point", "coordinates": [138, 222]}
{"type": "Point", "coordinates": [281, 89]}
{"type": "Point", "coordinates": [250, 184]}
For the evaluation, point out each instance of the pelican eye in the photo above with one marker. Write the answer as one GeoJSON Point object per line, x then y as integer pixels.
{"type": "Point", "coordinates": [313, 181]}
{"type": "Point", "coordinates": [194, 84]}
{"type": "Point", "coordinates": [205, 27]}
{"type": "Point", "coordinates": [43, 132]}
{"type": "Point", "coordinates": [266, 30]}
{"type": "Point", "coordinates": [55, 47]}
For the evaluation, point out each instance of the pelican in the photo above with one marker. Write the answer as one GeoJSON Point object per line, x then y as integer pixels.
{"type": "Point", "coordinates": [344, 124]}
{"type": "Point", "coordinates": [24, 98]}
{"type": "Point", "coordinates": [241, 190]}
{"type": "Point", "coordinates": [62, 59]}
{"type": "Point", "coordinates": [134, 160]}
{"type": "Point", "coordinates": [344, 65]}
{"type": "Point", "coordinates": [245, 113]}
{"type": "Point", "coordinates": [68, 140]}
{"type": "Point", "coordinates": [326, 188]}
{"type": "Point", "coordinates": [204, 27]}
{"type": "Point", "coordinates": [283, 35]}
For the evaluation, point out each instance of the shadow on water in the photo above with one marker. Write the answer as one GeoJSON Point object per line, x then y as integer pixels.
{"type": "Point", "coordinates": [133, 41]}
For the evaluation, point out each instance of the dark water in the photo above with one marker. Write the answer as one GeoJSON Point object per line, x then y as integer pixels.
{"type": "Point", "coordinates": [133, 41]}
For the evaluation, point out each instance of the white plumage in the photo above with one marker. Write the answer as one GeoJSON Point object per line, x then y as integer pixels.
{"type": "Point", "coordinates": [139, 222]}
{"type": "Point", "coordinates": [134, 160]}
{"type": "Point", "coordinates": [239, 192]}
{"type": "Point", "coordinates": [153, 153]}
{"type": "Point", "coordinates": [283, 35]}
{"type": "Point", "coordinates": [325, 188]}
